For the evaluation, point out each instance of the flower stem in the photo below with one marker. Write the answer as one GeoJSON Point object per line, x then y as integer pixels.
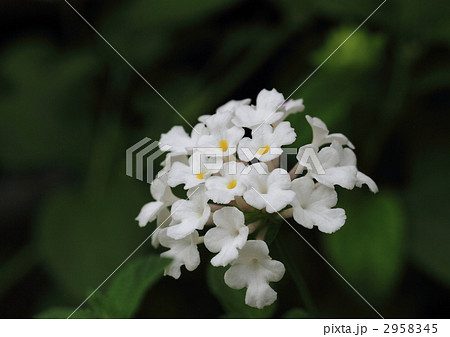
{"type": "Point", "coordinates": [297, 278]}
{"type": "Point", "coordinates": [287, 213]}
{"type": "Point", "coordinates": [262, 234]}
{"type": "Point", "coordinates": [253, 226]}
{"type": "Point", "coordinates": [240, 202]}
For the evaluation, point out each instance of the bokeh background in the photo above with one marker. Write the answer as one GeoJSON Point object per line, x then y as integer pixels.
{"type": "Point", "coordinates": [69, 108]}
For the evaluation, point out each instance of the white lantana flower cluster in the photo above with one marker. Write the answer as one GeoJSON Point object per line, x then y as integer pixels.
{"type": "Point", "coordinates": [226, 206]}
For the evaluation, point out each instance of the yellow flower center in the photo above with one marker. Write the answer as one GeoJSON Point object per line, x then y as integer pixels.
{"type": "Point", "coordinates": [223, 145]}
{"type": "Point", "coordinates": [263, 150]}
{"type": "Point", "coordinates": [232, 184]}
{"type": "Point", "coordinates": [200, 175]}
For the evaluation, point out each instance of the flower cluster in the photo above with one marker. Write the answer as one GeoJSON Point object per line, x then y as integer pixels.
{"type": "Point", "coordinates": [227, 203]}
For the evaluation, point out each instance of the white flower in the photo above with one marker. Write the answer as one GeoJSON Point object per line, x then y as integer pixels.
{"type": "Point", "coordinates": [163, 196]}
{"type": "Point", "coordinates": [169, 160]}
{"type": "Point", "coordinates": [187, 174]}
{"type": "Point", "coordinates": [321, 134]}
{"type": "Point", "coordinates": [254, 269]}
{"type": "Point", "coordinates": [229, 235]}
{"type": "Point", "coordinates": [223, 134]}
{"type": "Point", "coordinates": [362, 179]}
{"type": "Point", "coordinates": [339, 164]}
{"type": "Point", "coordinates": [179, 141]}
{"type": "Point", "coordinates": [183, 252]}
{"type": "Point", "coordinates": [292, 106]}
{"type": "Point", "coordinates": [205, 163]}
{"type": "Point", "coordinates": [229, 108]}
{"type": "Point", "coordinates": [162, 221]}
{"type": "Point", "coordinates": [270, 190]}
{"type": "Point", "coordinates": [189, 215]}
{"type": "Point", "coordinates": [266, 142]}
{"type": "Point", "coordinates": [340, 168]}
{"type": "Point", "coordinates": [313, 204]}
{"type": "Point", "coordinates": [265, 111]}
{"type": "Point", "coordinates": [224, 188]}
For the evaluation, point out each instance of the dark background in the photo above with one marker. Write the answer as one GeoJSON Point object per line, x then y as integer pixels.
{"type": "Point", "coordinates": [69, 108]}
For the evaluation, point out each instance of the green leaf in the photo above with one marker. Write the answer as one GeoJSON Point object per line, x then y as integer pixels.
{"type": "Point", "coordinates": [83, 237]}
{"type": "Point", "coordinates": [65, 313]}
{"type": "Point", "coordinates": [128, 287]}
{"type": "Point", "coordinates": [232, 300]}
{"type": "Point", "coordinates": [427, 201]}
{"type": "Point", "coordinates": [369, 250]}
{"type": "Point", "coordinates": [297, 313]}
{"type": "Point", "coordinates": [123, 295]}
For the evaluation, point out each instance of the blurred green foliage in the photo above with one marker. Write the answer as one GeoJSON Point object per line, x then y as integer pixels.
{"type": "Point", "coordinates": [123, 295]}
{"type": "Point", "coordinates": [370, 248]}
{"type": "Point", "coordinates": [69, 107]}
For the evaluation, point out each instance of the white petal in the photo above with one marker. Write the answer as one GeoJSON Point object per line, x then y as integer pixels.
{"type": "Point", "coordinates": [149, 212]}
{"type": "Point", "coordinates": [283, 134]}
{"type": "Point", "coordinates": [259, 294]}
{"type": "Point", "coordinates": [268, 139]}
{"type": "Point", "coordinates": [229, 235]}
{"type": "Point", "coordinates": [187, 220]}
{"type": "Point", "coordinates": [218, 191]}
{"type": "Point", "coordinates": [269, 100]}
{"type": "Point", "coordinates": [293, 106]}
{"type": "Point", "coordinates": [339, 165]}
{"type": "Point", "coordinates": [162, 221]}
{"type": "Point", "coordinates": [177, 138]}
{"type": "Point", "coordinates": [203, 118]}
{"type": "Point", "coordinates": [268, 191]}
{"type": "Point", "coordinates": [340, 138]}
{"type": "Point", "coordinates": [189, 215]}
{"type": "Point", "coordinates": [344, 176]}
{"type": "Point", "coordinates": [362, 179]}
{"type": "Point", "coordinates": [254, 269]}
{"type": "Point", "coordinates": [218, 122]}
{"type": "Point", "coordinates": [321, 134]}
{"type": "Point", "coordinates": [178, 174]}
{"type": "Point", "coordinates": [279, 194]}
{"type": "Point", "coordinates": [277, 200]}
{"type": "Point", "coordinates": [183, 252]}
{"type": "Point", "coordinates": [231, 106]}
{"type": "Point", "coordinates": [169, 161]}
{"type": "Point", "coordinates": [246, 150]}
{"type": "Point", "coordinates": [254, 199]}
{"type": "Point", "coordinates": [199, 130]}
{"type": "Point", "coordinates": [223, 189]}
{"type": "Point", "coordinates": [181, 173]}
{"type": "Point", "coordinates": [312, 206]}
{"type": "Point", "coordinates": [246, 116]}
{"type": "Point", "coordinates": [320, 130]}
{"type": "Point", "coordinates": [161, 191]}
{"type": "Point", "coordinates": [265, 112]}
